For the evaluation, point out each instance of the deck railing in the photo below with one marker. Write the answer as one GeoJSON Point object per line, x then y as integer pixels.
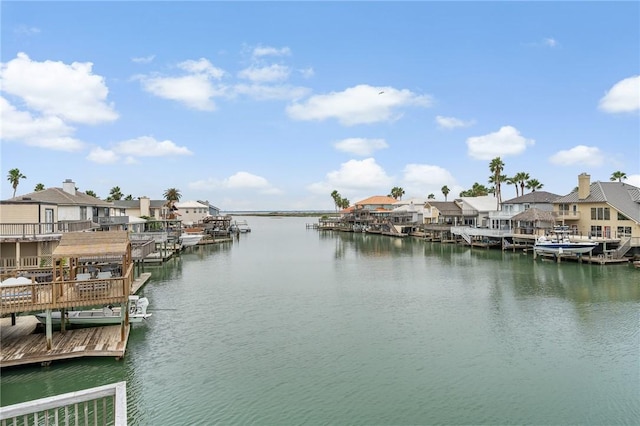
{"type": "Point", "coordinates": [32, 230]}
{"type": "Point", "coordinates": [103, 405]}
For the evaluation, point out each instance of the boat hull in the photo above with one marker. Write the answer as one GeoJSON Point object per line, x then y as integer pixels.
{"type": "Point", "coordinates": [565, 248]}
{"type": "Point", "coordinates": [105, 316]}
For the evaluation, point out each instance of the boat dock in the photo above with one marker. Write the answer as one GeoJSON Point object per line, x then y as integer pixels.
{"type": "Point", "coordinates": [23, 343]}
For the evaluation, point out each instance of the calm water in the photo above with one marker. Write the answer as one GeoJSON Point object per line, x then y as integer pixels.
{"type": "Point", "coordinates": [291, 326]}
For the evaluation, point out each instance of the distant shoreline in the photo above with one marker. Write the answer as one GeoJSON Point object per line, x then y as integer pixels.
{"type": "Point", "coordinates": [281, 213]}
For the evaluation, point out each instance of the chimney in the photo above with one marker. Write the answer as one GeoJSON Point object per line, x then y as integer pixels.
{"type": "Point", "coordinates": [145, 204]}
{"type": "Point", "coordinates": [584, 186]}
{"type": "Point", "coordinates": [69, 186]}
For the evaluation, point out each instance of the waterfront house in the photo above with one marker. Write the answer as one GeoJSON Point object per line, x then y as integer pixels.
{"type": "Point", "coordinates": [609, 210]}
{"type": "Point", "coordinates": [192, 212]}
{"type": "Point", "coordinates": [541, 201]}
{"type": "Point", "coordinates": [31, 225]}
{"type": "Point", "coordinates": [439, 217]}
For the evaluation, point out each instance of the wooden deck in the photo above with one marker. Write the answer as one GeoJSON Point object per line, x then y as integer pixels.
{"type": "Point", "coordinates": [21, 345]}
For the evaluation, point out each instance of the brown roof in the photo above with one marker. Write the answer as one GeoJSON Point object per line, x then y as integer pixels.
{"type": "Point", "coordinates": [87, 244]}
{"type": "Point", "coordinates": [535, 215]}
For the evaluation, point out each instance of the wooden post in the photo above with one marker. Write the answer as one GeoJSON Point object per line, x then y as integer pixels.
{"type": "Point", "coordinates": [49, 330]}
{"type": "Point", "coordinates": [63, 321]}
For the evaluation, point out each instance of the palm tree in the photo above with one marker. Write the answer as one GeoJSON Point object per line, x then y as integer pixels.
{"type": "Point", "coordinates": [431, 197]}
{"type": "Point", "coordinates": [522, 178]}
{"type": "Point", "coordinates": [172, 194]}
{"type": "Point", "coordinates": [497, 166]}
{"type": "Point", "coordinates": [477, 190]}
{"type": "Point", "coordinates": [512, 181]}
{"type": "Point", "coordinates": [14, 177]}
{"type": "Point", "coordinates": [91, 193]}
{"type": "Point", "coordinates": [445, 191]}
{"type": "Point", "coordinates": [534, 184]}
{"type": "Point", "coordinates": [397, 193]}
{"type": "Point", "coordinates": [115, 194]}
{"type": "Point", "coordinates": [344, 203]}
{"type": "Point", "coordinates": [336, 199]}
{"type": "Point", "coordinates": [618, 176]}
{"type": "Point", "coordinates": [39, 187]}
{"type": "Point", "coordinates": [129, 197]}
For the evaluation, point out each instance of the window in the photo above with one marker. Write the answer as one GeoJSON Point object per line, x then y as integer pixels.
{"type": "Point", "coordinates": [622, 217]}
{"type": "Point", "coordinates": [527, 206]}
{"type": "Point", "coordinates": [563, 208]}
{"type": "Point", "coordinates": [600, 213]}
{"type": "Point", "coordinates": [624, 231]}
{"type": "Point", "coordinates": [596, 231]}
{"type": "Point", "coordinates": [83, 212]}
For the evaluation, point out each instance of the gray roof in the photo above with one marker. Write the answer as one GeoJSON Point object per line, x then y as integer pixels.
{"type": "Point", "coordinates": [447, 208]}
{"type": "Point", "coordinates": [134, 204]}
{"type": "Point", "coordinates": [621, 196]}
{"type": "Point", "coordinates": [60, 197]}
{"type": "Point", "coordinates": [534, 197]}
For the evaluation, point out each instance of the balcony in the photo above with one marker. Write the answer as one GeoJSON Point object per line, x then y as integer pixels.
{"type": "Point", "coordinates": [566, 215]}
{"type": "Point", "coordinates": [43, 231]}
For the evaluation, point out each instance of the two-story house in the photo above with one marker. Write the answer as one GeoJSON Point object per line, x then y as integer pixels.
{"type": "Point", "coordinates": [527, 214]}
{"type": "Point", "coordinates": [601, 209]}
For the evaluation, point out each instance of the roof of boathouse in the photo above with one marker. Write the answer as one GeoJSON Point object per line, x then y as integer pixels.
{"type": "Point", "coordinates": [535, 215]}
{"type": "Point", "coordinates": [93, 244]}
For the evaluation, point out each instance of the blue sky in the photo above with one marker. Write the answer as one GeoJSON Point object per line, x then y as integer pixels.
{"type": "Point", "coordinates": [273, 105]}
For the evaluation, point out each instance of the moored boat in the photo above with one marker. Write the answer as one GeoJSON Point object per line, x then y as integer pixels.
{"type": "Point", "coordinates": [108, 315]}
{"type": "Point", "coordinates": [189, 240]}
{"type": "Point", "coordinates": [561, 244]}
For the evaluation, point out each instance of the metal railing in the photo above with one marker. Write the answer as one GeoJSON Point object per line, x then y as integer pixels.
{"type": "Point", "coordinates": [102, 405]}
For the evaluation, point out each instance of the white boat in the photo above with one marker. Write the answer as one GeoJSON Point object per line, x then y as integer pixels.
{"type": "Point", "coordinates": [189, 240]}
{"type": "Point", "coordinates": [106, 316]}
{"type": "Point", "coordinates": [240, 226]}
{"type": "Point", "coordinates": [561, 244]}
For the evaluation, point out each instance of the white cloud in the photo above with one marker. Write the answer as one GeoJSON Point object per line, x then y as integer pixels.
{"type": "Point", "coordinates": [307, 72]}
{"type": "Point", "coordinates": [102, 156]}
{"type": "Point", "coordinates": [362, 104]}
{"type": "Point", "coordinates": [26, 30]}
{"type": "Point", "coordinates": [202, 66]}
{"type": "Point", "coordinates": [355, 178]}
{"type": "Point", "coordinates": [624, 96]}
{"type": "Point", "coordinates": [582, 155]}
{"type": "Point", "coordinates": [550, 42]}
{"type": "Point", "coordinates": [71, 92]}
{"type": "Point", "coordinates": [269, 73]}
{"type": "Point", "coordinates": [146, 146]}
{"type": "Point", "coordinates": [633, 180]}
{"type": "Point", "coordinates": [240, 181]}
{"type": "Point", "coordinates": [506, 141]}
{"type": "Point", "coordinates": [360, 146]}
{"type": "Point", "coordinates": [144, 59]}
{"type": "Point", "coordinates": [261, 51]}
{"type": "Point", "coordinates": [195, 91]}
{"type": "Point", "coordinates": [424, 179]}
{"type": "Point", "coordinates": [452, 122]}
{"type": "Point", "coordinates": [44, 132]}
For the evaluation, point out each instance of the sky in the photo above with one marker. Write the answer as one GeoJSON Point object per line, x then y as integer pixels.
{"type": "Point", "coordinates": [274, 105]}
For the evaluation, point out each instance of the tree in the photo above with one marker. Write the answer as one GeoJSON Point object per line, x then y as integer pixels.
{"type": "Point", "coordinates": [115, 194]}
{"type": "Point", "coordinates": [534, 184]}
{"type": "Point", "coordinates": [344, 203]}
{"type": "Point", "coordinates": [396, 193]}
{"type": "Point", "coordinates": [618, 175]}
{"type": "Point", "coordinates": [14, 177]}
{"type": "Point", "coordinates": [39, 187]}
{"type": "Point", "coordinates": [512, 181]}
{"type": "Point", "coordinates": [172, 195]}
{"type": "Point", "coordinates": [336, 199]}
{"type": "Point", "coordinates": [522, 178]}
{"type": "Point", "coordinates": [496, 166]}
{"type": "Point", "coordinates": [431, 197]}
{"type": "Point", "coordinates": [477, 190]}
{"type": "Point", "coordinates": [91, 193]}
{"type": "Point", "coordinates": [129, 197]}
{"type": "Point", "coordinates": [445, 191]}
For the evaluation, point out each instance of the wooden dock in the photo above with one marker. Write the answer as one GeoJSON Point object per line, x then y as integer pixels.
{"type": "Point", "coordinates": [22, 345]}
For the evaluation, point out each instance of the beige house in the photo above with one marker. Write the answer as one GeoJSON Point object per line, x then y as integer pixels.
{"type": "Point", "coordinates": [601, 209]}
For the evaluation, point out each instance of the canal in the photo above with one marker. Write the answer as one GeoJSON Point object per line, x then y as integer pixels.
{"type": "Point", "coordinates": [288, 325]}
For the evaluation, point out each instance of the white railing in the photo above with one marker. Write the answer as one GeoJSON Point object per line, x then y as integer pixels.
{"type": "Point", "coordinates": [103, 405]}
